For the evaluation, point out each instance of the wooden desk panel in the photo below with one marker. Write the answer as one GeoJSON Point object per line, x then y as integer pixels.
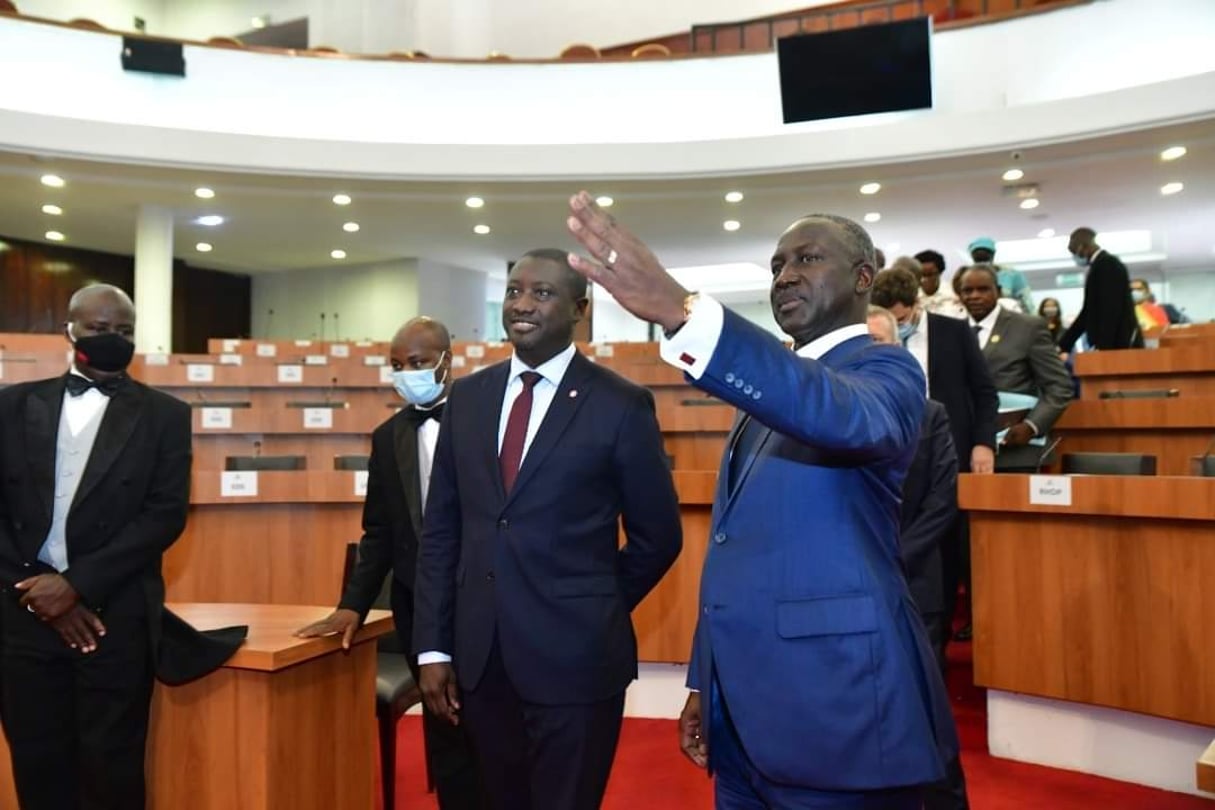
{"type": "Point", "coordinates": [695, 451]}
{"type": "Point", "coordinates": [1102, 602]}
{"type": "Point", "coordinates": [1173, 430]}
{"type": "Point", "coordinates": [212, 449]}
{"type": "Point", "coordinates": [665, 621]}
{"type": "Point", "coordinates": [1190, 368]}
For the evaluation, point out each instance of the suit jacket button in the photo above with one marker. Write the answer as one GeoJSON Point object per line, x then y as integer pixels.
{"type": "Point", "coordinates": [489, 577]}
{"type": "Point", "coordinates": [729, 376]}
{"type": "Point", "coordinates": [757, 395]}
{"type": "Point", "coordinates": [503, 524]}
{"type": "Point", "coordinates": [739, 383]}
{"type": "Point", "coordinates": [719, 538]}
{"type": "Point", "coordinates": [748, 389]}
{"type": "Point", "coordinates": [705, 610]}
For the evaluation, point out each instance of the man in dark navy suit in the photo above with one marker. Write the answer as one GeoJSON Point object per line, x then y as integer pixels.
{"type": "Point", "coordinates": [522, 578]}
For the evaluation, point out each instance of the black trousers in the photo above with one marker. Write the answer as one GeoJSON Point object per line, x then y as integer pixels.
{"type": "Point", "coordinates": [538, 757]}
{"type": "Point", "coordinates": [449, 751]}
{"type": "Point", "coordinates": [76, 724]}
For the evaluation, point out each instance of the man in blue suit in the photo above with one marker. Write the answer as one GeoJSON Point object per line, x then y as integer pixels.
{"type": "Point", "coordinates": [521, 577]}
{"type": "Point", "coordinates": [813, 682]}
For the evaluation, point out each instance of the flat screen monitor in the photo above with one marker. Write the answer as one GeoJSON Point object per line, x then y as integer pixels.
{"type": "Point", "coordinates": [856, 71]}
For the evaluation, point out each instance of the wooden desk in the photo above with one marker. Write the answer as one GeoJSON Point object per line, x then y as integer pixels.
{"type": "Point", "coordinates": [287, 722]}
{"type": "Point", "coordinates": [1190, 368]}
{"type": "Point", "coordinates": [1103, 602]}
{"type": "Point", "coordinates": [1173, 430]}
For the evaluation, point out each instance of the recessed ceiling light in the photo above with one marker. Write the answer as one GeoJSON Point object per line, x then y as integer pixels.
{"type": "Point", "coordinates": [731, 224]}
{"type": "Point", "coordinates": [257, 22]}
{"type": "Point", "coordinates": [873, 216]}
{"type": "Point", "coordinates": [338, 254]}
{"type": "Point", "coordinates": [1172, 153]}
{"type": "Point", "coordinates": [475, 202]}
{"type": "Point", "coordinates": [204, 193]}
{"type": "Point", "coordinates": [210, 220]}
{"type": "Point", "coordinates": [51, 209]}
{"type": "Point", "coordinates": [1013, 174]}
{"type": "Point", "coordinates": [351, 227]}
{"type": "Point", "coordinates": [54, 236]}
{"type": "Point", "coordinates": [203, 247]}
{"type": "Point", "coordinates": [871, 188]}
{"type": "Point", "coordinates": [341, 199]}
{"type": "Point", "coordinates": [53, 180]}
{"type": "Point", "coordinates": [1046, 233]}
{"type": "Point", "coordinates": [481, 230]}
{"type": "Point", "coordinates": [1171, 188]}
{"type": "Point", "coordinates": [604, 202]}
{"type": "Point", "coordinates": [1030, 203]}
{"type": "Point", "coordinates": [734, 197]}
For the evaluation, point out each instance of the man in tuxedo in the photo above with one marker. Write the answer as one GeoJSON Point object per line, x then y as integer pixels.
{"type": "Point", "coordinates": [95, 475]}
{"type": "Point", "coordinates": [398, 478]}
{"type": "Point", "coordinates": [1022, 359]}
{"type": "Point", "coordinates": [1107, 316]}
{"type": "Point", "coordinates": [814, 685]}
{"type": "Point", "coordinates": [522, 578]}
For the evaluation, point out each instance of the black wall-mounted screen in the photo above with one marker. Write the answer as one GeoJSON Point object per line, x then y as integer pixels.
{"type": "Point", "coordinates": [856, 71]}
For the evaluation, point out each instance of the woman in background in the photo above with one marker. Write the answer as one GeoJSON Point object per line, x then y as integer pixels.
{"type": "Point", "coordinates": [1050, 312]}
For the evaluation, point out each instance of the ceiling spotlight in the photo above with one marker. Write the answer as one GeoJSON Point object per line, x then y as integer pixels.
{"type": "Point", "coordinates": [259, 22]}
{"type": "Point", "coordinates": [734, 197]}
{"type": "Point", "coordinates": [475, 202]}
{"type": "Point", "coordinates": [53, 180]}
{"type": "Point", "coordinates": [873, 216]}
{"type": "Point", "coordinates": [54, 236]}
{"type": "Point", "coordinates": [204, 193]}
{"type": "Point", "coordinates": [337, 254]}
{"type": "Point", "coordinates": [1172, 153]}
{"type": "Point", "coordinates": [51, 209]}
{"type": "Point", "coordinates": [203, 247]}
{"type": "Point", "coordinates": [351, 227]}
{"type": "Point", "coordinates": [871, 188]}
{"type": "Point", "coordinates": [1046, 233]}
{"type": "Point", "coordinates": [210, 221]}
{"type": "Point", "coordinates": [1013, 174]}
{"type": "Point", "coordinates": [341, 199]}
{"type": "Point", "coordinates": [1171, 188]}
{"type": "Point", "coordinates": [604, 202]}
{"type": "Point", "coordinates": [481, 230]}
{"type": "Point", "coordinates": [731, 224]}
{"type": "Point", "coordinates": [1030, 203]}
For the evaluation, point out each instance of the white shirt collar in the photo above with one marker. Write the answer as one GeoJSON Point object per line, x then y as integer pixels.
{"type": "Point", "coordinates": [552, 369]}
{"type": "Point", "coordinates": [1096, 253]}
{"type": "Point", "coordinates": [989, 322]}
{"type": "Point", "coordinates": [821, 345]}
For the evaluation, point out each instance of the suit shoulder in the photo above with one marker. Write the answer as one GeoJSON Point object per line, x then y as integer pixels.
{"type": "Point", "coordinates": [617, 383]}
{"type": "Point", "coordinates": [160, 399]}
{"type": "Point", "coordinates": [945, 324]}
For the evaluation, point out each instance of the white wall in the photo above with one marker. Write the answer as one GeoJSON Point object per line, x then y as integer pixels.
{"type": "Point", "coordinates": [116, 14]}
{"type": "Point", "coordinates": [1192, 293]}
{"type": "Point", "coordinates": [453, 295]}
{"type": "Point", "coordinates": [371, 301]}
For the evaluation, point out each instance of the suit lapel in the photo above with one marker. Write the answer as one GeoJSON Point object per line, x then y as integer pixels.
{"type": "Point", "coordinates": [997, 336]}
{"type": "Point", "coordinates": [405, 449]}
{"type": "Point", "coordinates": [124, 412]}
{"type": "Point", "coordinates": [42, 410]}
{"type": "Point", "coordinates": [493, 390]}
{"type": "Point", "coordinates": [571, 393]}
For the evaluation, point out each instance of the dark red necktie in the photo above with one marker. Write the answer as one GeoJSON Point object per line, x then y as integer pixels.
{"type": "Point", "coordinates": [511, 456]}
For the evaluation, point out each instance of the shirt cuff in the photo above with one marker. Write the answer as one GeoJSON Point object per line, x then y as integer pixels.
{"type": "Point", "coordinates": [433, 658]}
{"type": "Point", "coordinates": [691, 348]}
{"type": "Point", "coordinates": [1033, 427]}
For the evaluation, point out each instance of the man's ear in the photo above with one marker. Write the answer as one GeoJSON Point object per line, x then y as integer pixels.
{"type": "Point", "coordinates": [864, 278]}
{"type": "Point", "coordinates": [581, 306]}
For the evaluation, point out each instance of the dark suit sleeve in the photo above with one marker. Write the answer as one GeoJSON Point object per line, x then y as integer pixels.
{"type": "Point", "coordinates": [1051, 378]}
{"type": "Point", "coordinates": [439, 550]}
{"type": "Point", "coordinates": [939, 507]}
{"type": "Point", "coordinates": [158, 524]}
{"type": "Point", "coordinates": [9, 572]}
{"type": "Point", "coordinates": [650, 508]}
{"type": "Point", "coordinates": [983, 395]}
{"type": "Point", "coordinates": [1080, 324]}
{"type": "Point", "coordinates": [375, 546]}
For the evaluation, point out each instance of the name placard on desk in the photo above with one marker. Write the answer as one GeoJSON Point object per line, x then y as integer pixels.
{"type": "Point", "coordinates": [303, 343]}
{"type": "Point", "coordinates": [217, 418]}
{"type": "Point", "coordinates": [318, 418]}
{"type": "Point", "coordinates": [457, 361]}
{"type": "Point", "coordinates": [238, 484]}
{"type": "Point", "coordinates": [231, 345]}
{"type": "Point", "coordinates": [230, 360]}
{"type": "Point", "coordinates": [200, 373]}
{"type": "Point", "coordinates": [386, 374]}
{"type": "Point", "coordinates": [266, 350]}
{"type": "Point", "coordinates": [374, 360]}
{"type": "Point", "coordinates": [1050, 490]}
{"type": "Point", "coordinates": [156, 359]}
{"type": "Point", "coordinates": [605, 350]}
{"type": "Point", "coordinates": [360, 483]}
{"type": "Point", "coordinates": [291, 374]}
{"type": "Point", "coordinates": [339, 350]}
{"type": "Point", "coordinates": [474, 351]}
{"type": "Point", "coordinates": [315, 360]}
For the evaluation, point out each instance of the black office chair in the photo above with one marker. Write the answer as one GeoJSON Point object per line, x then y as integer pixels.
{"type": "Point", "coordinates": [395, 690]}
{"type": "Point", "coordinates": [1206, 466]}
{"type": "Point", "coordinates": [1108, 464]}
{"type": "Point", "coordinates": [350, 463]}
{"type": "Point", "coordinates": [264, 463]}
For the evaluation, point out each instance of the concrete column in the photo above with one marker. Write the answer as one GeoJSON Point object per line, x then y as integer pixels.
{"type": "Point", "coordinates": [154, 279]}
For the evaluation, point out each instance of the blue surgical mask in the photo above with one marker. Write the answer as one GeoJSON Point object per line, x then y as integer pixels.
{"type": "Point", "coordinates": [1138, 296]}
{"type": "Point", "coordinates": [419, 386]}
{"type": "Point", "coordinates": [1081, 261]}
{"type": "Point", "coordinates": [906, 330]}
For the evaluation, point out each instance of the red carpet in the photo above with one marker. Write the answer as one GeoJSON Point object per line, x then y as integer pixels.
{"type": "Point", "coordinates": [651, 774]}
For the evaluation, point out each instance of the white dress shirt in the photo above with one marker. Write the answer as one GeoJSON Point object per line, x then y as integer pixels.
{"type": "Point", "coordinates": [985, 326]}
{"type": "Point", "coordinates": [79, 411]}
{"type": "Point", "coordinates": [428, 437]}
{"type": "Point", "coordinates": [917, 344]}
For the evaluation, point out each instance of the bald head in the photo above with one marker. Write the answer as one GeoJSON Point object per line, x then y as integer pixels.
{"type": "Point", "coordinates": [423, 344]}
{"type": "Point", "coordinates": [95, 311]}
{"type": "Point", "coordinates": [89, 298]}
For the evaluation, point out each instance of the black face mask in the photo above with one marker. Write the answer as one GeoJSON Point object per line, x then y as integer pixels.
{"type": "Point", "coordinates": [108, 351]}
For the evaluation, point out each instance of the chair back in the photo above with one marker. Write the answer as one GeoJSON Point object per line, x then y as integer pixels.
{"type": "Point", "coordinates": [1108, 464]}
{"type": "Point", "coordinates": [356, 463]}
{"type": "Point", "coordinates": [580, 50]}
{"type": "Point", "coordinates": [389, 642]}
{"type": "Point", "coordinates": [264, 463]}
{"type": "Point", "coordinates": [651, 50]}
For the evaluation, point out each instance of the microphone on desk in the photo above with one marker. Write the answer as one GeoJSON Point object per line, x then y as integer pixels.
{"type": "Point", "coordinates": [322, 326]}
{"type": "Point", "coordinates": [269, 322]}
{"type": "Point", "coordinates": [1046, 454]}
{"type": "Point", "coordinates": [257, 449]}
{"type": "Point", "coordinates": [198, 393]}
{"type": "Point", "coordinates": [337, 332]}
{"type": "Point", "coordinates": [329, 391]}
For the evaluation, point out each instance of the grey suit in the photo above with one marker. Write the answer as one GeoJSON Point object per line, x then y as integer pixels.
{"type": "Point", "coordinates": [1023, 360]}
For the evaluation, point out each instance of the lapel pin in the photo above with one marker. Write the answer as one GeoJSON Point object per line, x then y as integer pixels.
{"type": "Point", "coordinates": [573, 393]}
{"type": "Point", "coordinates": [995, 338]}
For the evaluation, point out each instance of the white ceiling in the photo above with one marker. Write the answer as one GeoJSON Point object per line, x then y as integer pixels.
{"type": "Point", "coordinates": [277, 223]}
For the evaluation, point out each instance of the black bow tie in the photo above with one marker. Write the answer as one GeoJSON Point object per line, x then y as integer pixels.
{"type": "Point", "coordinates": [77, 385]}
{"type": "Point", "coordinates": [420, 415]}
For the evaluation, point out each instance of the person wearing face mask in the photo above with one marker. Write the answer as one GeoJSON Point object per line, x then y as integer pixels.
{"type": "Point", "coordinates": [96, 476]}
{"type": "Point", "coordinates": [398, 482]}
{"type": "Point", "coordinates": [1050, 311]}
{"type": "Point", "coordinates": [1107, 317]}
{"type": "Point", "coordinates": [1148, 313]}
